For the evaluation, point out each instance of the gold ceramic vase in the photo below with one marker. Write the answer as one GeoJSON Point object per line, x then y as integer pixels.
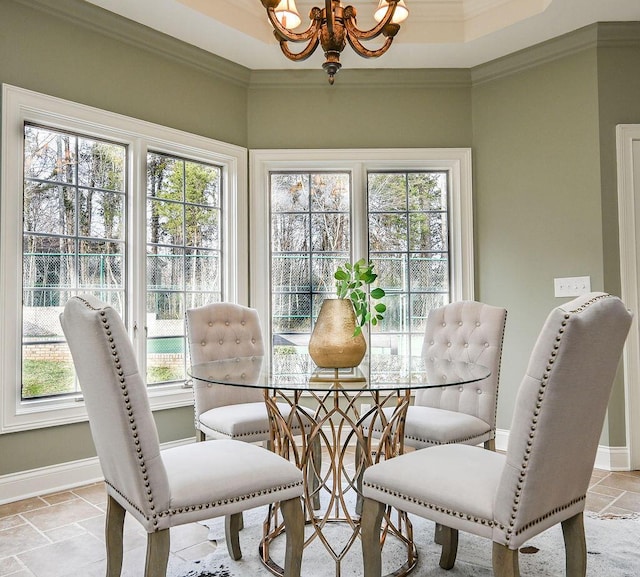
{"type": "Point", "coordinates": [332, 343]}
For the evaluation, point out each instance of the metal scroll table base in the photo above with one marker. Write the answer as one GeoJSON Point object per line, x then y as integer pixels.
{"type": "Point", "coordinates": [333, 428]}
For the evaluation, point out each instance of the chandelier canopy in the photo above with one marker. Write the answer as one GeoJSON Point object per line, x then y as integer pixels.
{"type": "Point", "coordinates": [332, 27]}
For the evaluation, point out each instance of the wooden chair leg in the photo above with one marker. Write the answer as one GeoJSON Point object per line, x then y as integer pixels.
{"type": "Point", "coordinates": [449, 538]}
{"type": "Point", "coordinates": [232, 525]}
{"type": "Point", "coordinates": [200, 436]}
{"type": "Point", "coordinates": [575, 546]}
{"type": "Point", "coordinates": [437, 534]}
{"type": "Point", "coordinates": [505, 561]}
{"type": "Point", "coordinates": [157, 554]}
{"type": "Point", "coordinates": [490, 445]}
{"type": "Point", "coordinates": [114, 528]}
{"type": "Point", "coordinates": [370, 534]}
{"type": "Point", "coordinates": [293, 516]}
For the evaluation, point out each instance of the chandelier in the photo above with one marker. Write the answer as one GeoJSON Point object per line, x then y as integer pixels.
{"type": "Point", "coordinates": [333, 27]}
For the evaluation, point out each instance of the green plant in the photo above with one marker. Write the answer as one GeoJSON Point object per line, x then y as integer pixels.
{"type": "Point", "coordinates": [351, 282]}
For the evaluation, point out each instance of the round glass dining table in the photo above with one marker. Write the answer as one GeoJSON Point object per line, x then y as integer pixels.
{"type": "Point", "coordinates": [334, 423]}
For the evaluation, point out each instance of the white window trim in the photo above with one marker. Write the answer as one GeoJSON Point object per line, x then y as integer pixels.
{"type": "Point", "coordinates": [19, 106]}
{"type": "Point", "coordinates": [457, 161]}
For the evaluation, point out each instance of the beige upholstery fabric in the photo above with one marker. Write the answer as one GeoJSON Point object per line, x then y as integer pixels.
{"type": "Point", "coordinates": [466, 331]}
{"type": "Point", "coordinates": [160, 488]}
{"type": "Point", "coordinates": [223, 331]}
{"type": "Point", "coordinates": [558, 418]}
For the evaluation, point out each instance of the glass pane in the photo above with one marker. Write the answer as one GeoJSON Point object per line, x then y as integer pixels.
{"type": "Point", "coordinates": [289, 193]}
{"type": "Point", "coordinates": [49, 155]}
{"type": "Point", "coordinates": [165, 221]}
{"type": "Point", "coordinates": [290, 273]}
{"type": "Point", "coordinates": [49, 208]}
{"type": "Point", "coordinates": [324, 267]}
{"type": "Point", "coordinates": [428, 191]}
{"type": "Point", "coordinates": [48, 262]}
{"type": "Point", "coordinates": [165, 268]}
{"type": "Point", "coordinates": [429, 272]}
{"type": "Point", "coordinates": [47, 369]}
{"type": "Point", "coordinates": [387, 232]}
{"type": "Point", "coordinates": [396, 315]}
{"type": "Point", "coordinates": [428, 231]}
{"type": "Point", "coordinates": [198, 299]}
{"type": "Point", "coordinates": [329, 192]}
{"type": "Point", "coordinates": [330, 232]}
{"type": "Point", "coordinates": [101, 165]}
{"type": "Point", "coordinates": [202, 183]}
{"type": "Point", "coordinates": [387, 192]}
{"type": "Point", "coordinates": [290, 232]}
{"type": "Point", "coordinates": [203, 227]}
{"type": "Point", "coordinates": [421, 305]}
{"type": "Point", "coordinates": [391, 270]}
{"type": "Point", "coordinates": [291, 313]}
{"type": "Point", "coordinates": [203, 271]}
{"type": "Point", "coordinates": [101, 214]}
{"type": "Point", "coordinates": [100, 265]}
{"type": "Point", "coordinates": [165, 177]}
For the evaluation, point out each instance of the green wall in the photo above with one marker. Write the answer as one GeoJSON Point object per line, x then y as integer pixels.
{"type": "Point", "coordinates": [363, 109]}
{"type": "Point", "coordinates": [541, 124]}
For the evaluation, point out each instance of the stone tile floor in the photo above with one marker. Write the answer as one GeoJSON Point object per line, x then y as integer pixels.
{"type": "Point", "coordinates": [61, 534]}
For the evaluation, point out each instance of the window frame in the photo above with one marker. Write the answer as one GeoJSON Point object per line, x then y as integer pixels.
{"type": "Point", "coordinates": [455, 161]}
{"type": "Point", "coordinates": [20, 106]}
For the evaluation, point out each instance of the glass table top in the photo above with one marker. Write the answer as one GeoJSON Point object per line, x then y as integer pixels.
{"type": "Point", "coordinates": [297, 372]}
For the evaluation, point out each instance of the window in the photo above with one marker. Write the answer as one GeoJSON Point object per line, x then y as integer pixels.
{"type": "Point", "coordinates": [408, 211]}
{"type": "Point", "coordinates": [141, 216]}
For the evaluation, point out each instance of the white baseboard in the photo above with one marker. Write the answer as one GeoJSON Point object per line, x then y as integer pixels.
{"type": "Point", "coordinates": [607, 458]}
{"type": "Point", "coordinates": [56, 478]}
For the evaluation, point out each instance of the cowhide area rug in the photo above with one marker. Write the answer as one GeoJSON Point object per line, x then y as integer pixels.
{"type": "Point", "coordinates": [613, 544]}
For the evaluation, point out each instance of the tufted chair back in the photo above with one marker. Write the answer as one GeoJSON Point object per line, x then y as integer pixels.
{"type": "Point", "coordinates": [115, 395]}
{"type": "Point", "coordinates": [466, 331]}
{"type": "Point", "coordinates": [558, 416]}
{"type": "Point", "coordinates": [223, 331]}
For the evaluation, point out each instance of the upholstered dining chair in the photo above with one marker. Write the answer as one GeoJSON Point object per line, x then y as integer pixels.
{"type": "Point", "coordinates": [463, 331]}
{"type": "Point", "coordinates": [165, 488]}
{"type": "Point", "coordinates": [226, 330]}
{"type": "Point", "coordinates": [543, 478]}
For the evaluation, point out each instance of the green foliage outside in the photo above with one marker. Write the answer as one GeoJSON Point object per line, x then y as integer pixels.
{"type": "Point", "coordinates": [44, 378]}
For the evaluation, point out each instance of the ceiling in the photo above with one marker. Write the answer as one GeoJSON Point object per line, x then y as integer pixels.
{"type": "Point", "coordinates": [438, 33]}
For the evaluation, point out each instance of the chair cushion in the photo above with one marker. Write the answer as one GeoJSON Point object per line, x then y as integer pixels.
{"type": "Point", "coordinates": [440, 483]}
{"type": "Point", "coordinates": [247, 422]}
{"type": "Point", "coordinates": [430, 426]}
{"type": "Point", "coordinates": [221, 477]}
{"type": "Point", "coordinates": [427, 426]}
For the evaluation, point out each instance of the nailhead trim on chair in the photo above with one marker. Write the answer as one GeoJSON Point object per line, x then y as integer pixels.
{"type": "Point", "coordinates": [132, 421]}
{"type": "Point", "coordinates": [438, 508]}
{"type": "Point", "coordinates": [223, 502]}
{"type": "Point", "coordinates": [453, 442]}
{"type": "Point", "coordinates": [534, 426]}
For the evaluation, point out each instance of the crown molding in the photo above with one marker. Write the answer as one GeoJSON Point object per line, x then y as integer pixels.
{"type": "Point", "coordinates": [119, 28]}
{"type": "Point", "coordinates": [599, 35]}
{"type": "Point", "coordinates": [370, 78]}
{"type": "Point", "coordinates": [542, 53]}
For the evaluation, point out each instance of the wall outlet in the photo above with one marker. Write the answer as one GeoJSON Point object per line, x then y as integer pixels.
{"type": "Point", "coordinates": [572, 286]}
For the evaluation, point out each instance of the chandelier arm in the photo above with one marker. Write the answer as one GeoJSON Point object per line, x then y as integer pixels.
{"type": "Point", "coordinates": [299, 56]}
{"type": "Point", "coordinates": [365, 52]}
{"type": "Point", "coordinates": [285, 34]}
{"type": "Point", "coordinates": [352, 28]}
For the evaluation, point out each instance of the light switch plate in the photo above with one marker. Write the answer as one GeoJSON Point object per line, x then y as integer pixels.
{"type": "Point", "coordinates": [572, 286]}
